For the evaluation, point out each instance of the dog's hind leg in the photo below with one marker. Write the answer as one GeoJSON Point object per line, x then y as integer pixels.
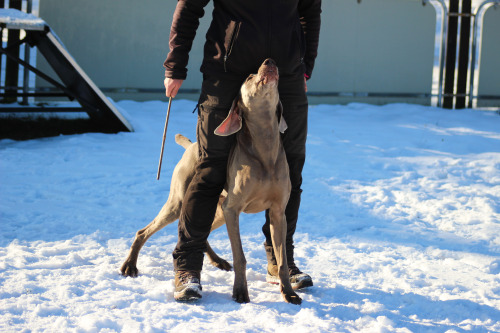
{"type": "Point", "coordinates": [168, 214]}
{"type": "Point", "coordinates": [217, 261]}
{"type": "Point", "coordinates": [181, 177]}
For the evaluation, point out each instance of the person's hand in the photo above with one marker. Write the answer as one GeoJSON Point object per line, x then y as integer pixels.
{"type": "Point", "coordinates": [305, 83]}
{"type": "Point", "coordinates": [172, 86]}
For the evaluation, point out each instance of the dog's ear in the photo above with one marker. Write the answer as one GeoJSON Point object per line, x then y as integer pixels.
{"type": "Point", "coordinates": [281, 122]}
{"type": "Point", "coordinates": [232, 123]}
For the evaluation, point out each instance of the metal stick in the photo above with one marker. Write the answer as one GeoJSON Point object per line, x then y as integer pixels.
{"type": "Point", "coordinates": [164, 136]}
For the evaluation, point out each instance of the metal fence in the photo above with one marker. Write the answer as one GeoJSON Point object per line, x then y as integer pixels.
{"type": "Point", "coordinates": [458, 44]}
{"type": "Point", "coordinates": [376, 51]}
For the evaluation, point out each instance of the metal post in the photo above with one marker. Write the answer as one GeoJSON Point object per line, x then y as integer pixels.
{"type": "Point", "coordinates": [451, 56]}
{"type": "Point", "coordinates": [475, 61]}
{"type": "Point", "coordinates": [2, 5]}
{"type": "Point", "coordinates": [463, 54]}
{"type": "Point", "coordinates": [11, 67]}
{"type": "Point", "coordinates": [439, 51]}
{"type": "Point", "coordinates": [26, 72]}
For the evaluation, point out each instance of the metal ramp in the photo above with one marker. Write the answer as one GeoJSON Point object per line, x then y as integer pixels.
{"type": "Point", "coordinates": [75, 84]}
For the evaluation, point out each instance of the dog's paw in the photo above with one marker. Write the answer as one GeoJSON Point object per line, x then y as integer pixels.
{"type": "Point", "coordinates": [128, 269]}
{"type": "Point", "coordinates": [292, 298]}
{"type": "Point", "coordinates": [241, 296]}
{"type": "Point", "coordinates": [223, 265]}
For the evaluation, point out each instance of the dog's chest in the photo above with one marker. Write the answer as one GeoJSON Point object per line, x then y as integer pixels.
{"type": "Point", "coordinates": [257, 185]}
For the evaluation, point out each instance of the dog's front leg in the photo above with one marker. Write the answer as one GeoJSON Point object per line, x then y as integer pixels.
{"type": "Point", "coordinates": [240, 288]}
{"type": "Point", "coordinates": [278, 235]}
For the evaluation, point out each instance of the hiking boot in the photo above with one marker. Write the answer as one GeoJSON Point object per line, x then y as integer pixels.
{"type": "Point", "coordinates": [298, 280]}
{"type": "Point", "coordinates": [187, 286]}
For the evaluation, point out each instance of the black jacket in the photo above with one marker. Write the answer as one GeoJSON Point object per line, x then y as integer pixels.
{"type": "Point", "coordinates": [245, 32]}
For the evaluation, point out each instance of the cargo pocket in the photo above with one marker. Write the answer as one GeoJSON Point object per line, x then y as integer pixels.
{"type": "Point", "coordinates": [301, 42]}
{"type": "Point", "coordinates": [210, 145]}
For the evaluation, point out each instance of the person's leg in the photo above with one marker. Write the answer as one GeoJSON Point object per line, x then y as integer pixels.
{"type": "Point", "coordinates": [295, 109]}
{"type": "Point", "coordinates": [201, 198]}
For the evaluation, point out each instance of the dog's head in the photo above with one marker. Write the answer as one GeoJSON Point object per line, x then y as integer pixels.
{"type": "Point", "coordinates": [258, 100]}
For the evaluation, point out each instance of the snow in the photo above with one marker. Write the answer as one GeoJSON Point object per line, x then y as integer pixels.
{"type": "Point", "coordinates": [16, 19]}
{"type": "Point", "coordinates": [399, 228]}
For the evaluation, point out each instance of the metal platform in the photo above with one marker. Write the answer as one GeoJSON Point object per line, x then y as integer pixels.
{"type": "Point", "coordinates": [74, 83]}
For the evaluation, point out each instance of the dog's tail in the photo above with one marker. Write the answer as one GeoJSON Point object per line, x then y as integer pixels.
{"type": "Point", "coordinates": [182, 140]}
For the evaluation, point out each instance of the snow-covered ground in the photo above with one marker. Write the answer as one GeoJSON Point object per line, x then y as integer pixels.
{"type": "Point", "coordinates": [399, 228]}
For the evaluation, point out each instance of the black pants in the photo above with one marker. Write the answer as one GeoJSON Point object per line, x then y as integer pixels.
{"type": "Point", "coordinates": [202, 196]}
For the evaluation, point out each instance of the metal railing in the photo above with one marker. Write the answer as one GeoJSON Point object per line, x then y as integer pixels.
{"type": "Point", "coordinates": [451, 49]}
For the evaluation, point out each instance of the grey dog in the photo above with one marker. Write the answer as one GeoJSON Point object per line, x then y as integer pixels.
{"type": "Point", "coordinates": [257, 179]}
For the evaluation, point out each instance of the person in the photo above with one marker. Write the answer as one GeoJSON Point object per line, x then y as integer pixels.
{"type": "Point", "coordinates": [241, 35]}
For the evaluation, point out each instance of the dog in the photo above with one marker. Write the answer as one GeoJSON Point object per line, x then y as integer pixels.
{"type": "Point", "coordinates": [257, 180]}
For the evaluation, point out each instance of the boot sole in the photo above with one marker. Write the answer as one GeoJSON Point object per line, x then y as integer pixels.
{"type": "Point", "coordinates": [188, 295]}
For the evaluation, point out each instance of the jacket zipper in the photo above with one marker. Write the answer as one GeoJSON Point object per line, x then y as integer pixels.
{"type": "Point", "coordinates": [301, 48]}
{"type": "Point", "coordinates": [234, 35]}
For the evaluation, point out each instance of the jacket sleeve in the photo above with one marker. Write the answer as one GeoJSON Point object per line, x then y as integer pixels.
{"type": "Point", "coordinates": [310, 18]}
{"type": "Point", "coordinates": [185, 22]}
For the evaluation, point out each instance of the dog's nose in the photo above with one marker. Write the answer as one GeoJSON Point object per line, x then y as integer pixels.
{"type": "Point", "coordinates": [269, 62]}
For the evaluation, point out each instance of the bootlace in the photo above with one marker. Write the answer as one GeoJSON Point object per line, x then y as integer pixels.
{"type": "Point", "coordinates": [189, 276]}
{"type": "Point", "coordinates": [293, 269]}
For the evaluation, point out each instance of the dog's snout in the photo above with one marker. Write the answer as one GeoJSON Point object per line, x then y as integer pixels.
{"type": "Point", "coordinates": [268, 71]}
{"type": "Point", "coordinates": [269, 62]}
